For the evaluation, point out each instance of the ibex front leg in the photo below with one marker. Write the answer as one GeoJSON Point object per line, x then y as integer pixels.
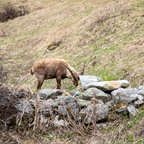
{"type": "Point", "coordinates": [58, 79]}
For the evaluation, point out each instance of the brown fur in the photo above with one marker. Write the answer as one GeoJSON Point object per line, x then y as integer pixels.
{"type": "Point", "coordinates": [53, 68]}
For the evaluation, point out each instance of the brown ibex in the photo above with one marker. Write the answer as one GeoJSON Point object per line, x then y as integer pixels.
{"type": "Point", "coordinates": [54, 68]}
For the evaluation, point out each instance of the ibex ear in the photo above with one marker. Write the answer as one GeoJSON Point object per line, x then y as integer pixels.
{"type": "Point", "coordinates": [82, 71]}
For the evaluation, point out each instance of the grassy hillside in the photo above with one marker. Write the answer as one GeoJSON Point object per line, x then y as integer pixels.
{"type": "Point", "coordinates": [108, 35]}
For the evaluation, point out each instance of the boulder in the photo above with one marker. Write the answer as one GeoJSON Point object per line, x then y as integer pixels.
{"type": "Point", "coordinates": [109, 85]}
{"type": "Point", "coordinates": [70, 103]}
{"type": "Point", "coordinates": [84, 103]}
{"type": "Point", "coordinates": [122, 95]}
{"type": "Point", "coordinates": [24, 106]}
{"type": "Point", "coordinates": [87, 79]}
{"type": "Point", "coordinates": [62, 110]}
{"type": "Point", "coordinates": [50, 102]}
{"type": "Point", "coordinates": [60, 122]}
{"type": "Point", "coordinates": [140, 101]}
{"type": "Point", "coordinates": [49, 93]}
{"type": "Point", "coordinates": [141, 92]}
{"type": "Point", "coordinates": [97, 93]}
{"type": "Point", "coordinates": [101, 113]}
{"type": "Point", "coordinates": [76, 93]}
{"type": "Point", "coordinates": [132, 111]}
{"type": "Point", "coordinates": [122, 109]}
{"type": "Point", "coordinates": [141, 87]}
{"type": "Point", "coordinates": [110, 104]}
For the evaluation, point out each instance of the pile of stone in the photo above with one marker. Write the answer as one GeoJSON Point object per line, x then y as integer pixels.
{"type": "Point", "coordinates": [97, 100]}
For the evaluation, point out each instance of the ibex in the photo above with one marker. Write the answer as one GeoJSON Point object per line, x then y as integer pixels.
{"type": "Point", "coordinates": [54, 68]}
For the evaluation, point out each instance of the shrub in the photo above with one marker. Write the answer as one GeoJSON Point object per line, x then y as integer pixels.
{"type": "Point", "coordinates": [8, 11]}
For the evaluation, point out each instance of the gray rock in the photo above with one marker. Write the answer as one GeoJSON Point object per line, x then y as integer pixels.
{"type": "Point", "coordinates": [97, 93]}
{"type": "Point", "coordinates": [86, 79]}
{"type": "Point", "coordinates": [101, 113]}
{"type": "Point", "coordinates": [102, 126]}
{"type": "Point", "coordinates": [110, 104]}
{"type": "Point", "coordinates": [109, 85]}
{"type": "Point", "coordinates": [140, 101]}
{"type": "Point", "coordinates": [132, 111]}
{"type": "Point", "coordinates": [51, 103]}
{"type": "Point", "coordinates": [86, 114]}
{"type": "Point", "coordinates": [3, 126]}
{"type": "Point", "coordinates": [122, 109]}
{"type": "Point", "coordinates": [141, 87]}
{"type": "Point", "coordinates": [49, 93]}
{"type": "Point", "coordinates": [46, 111]}
{"type": "Point", "coordinates": [124, 95]}
{"type": "Point", "coordinates": [84, 103]}
{"type": "Point", "coordinates": [140, 97]}
{"type": "Point", "coordinates": [43, 120]}
{"type": "Point", "coordinates": [70, 103]}
{"type": "Point", "coordinates": [60, 122]}
{"type": "Point", "coordinates": [24, 106]}
{"type": "Point", "coordinates": [62, 110]}
{"type": "Point", "coordinates": [141, 92]}
{"type": "Point", "coordinates": [77, 93]}
{"type": "Point", "coordinates": [4, 103]}
{"type": "Point", "coordinates": [100, 102]}
{"type": "Point", "coordinates": [46, 107]}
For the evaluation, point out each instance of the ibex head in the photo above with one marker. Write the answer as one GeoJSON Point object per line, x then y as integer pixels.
{"type": "Point", "coordinates": [75, 76]}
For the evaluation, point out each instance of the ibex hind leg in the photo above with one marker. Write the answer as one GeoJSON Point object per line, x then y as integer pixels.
{"type": "Point", "coordinates": [58, 79]}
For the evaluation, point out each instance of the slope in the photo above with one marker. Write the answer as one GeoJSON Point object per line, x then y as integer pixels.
{"type": "Point", "coordinates": [108, 35]}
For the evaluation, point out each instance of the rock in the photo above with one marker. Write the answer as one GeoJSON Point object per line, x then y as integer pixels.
{"type": "Point", "coordinates": [101, 113]}
{"type": "Point", "coordinates": [70, 104]}
{"type": "Point", "coordinates": [122, 109]}
{"type": "Point", "coordinates": [84, 103]}
{"type": "Point", "coordinates": [3, 126]}
{"type": "Point", "coordinates": [61, 122]}
{"type": "Point", "coordinates": [50, 102]}
{"type": "Point", "coordinates": [98, 94]}
{"type": "Point", "coordinates": [4, 102]}
{"type": "Point", "coordinates": [132, 111]}
{"type": "Point", "coordinates": [140, 97]}
{"type": "Point", "coordinates": [11, 120]}
{"type": "Point", "coordinates": [22, 94]}
{"type": "Point", "coordinates": [141, 87]}
{"type": "Point", "coordinates": [43, 120]}
{"type": "Point", "coordinates": [77, 93]}
{"type": "Point", "coordinates": [49, 93]}
{"type": "Point", "coordinates": [102, 126]}
{"type": "Point", "coordinates": [109, 85]}
{"type": "Point", "coordinates": [46, 111]}
{"type": "Point", "coordinates": [124, 95]}
{"type": "Point", "coordinates": [86, 114]}
{"type": "Point", "coordinates": [62, 110]}
{"type": "Point", "coordinates": [141, 92]}
{"type": "Point", "coordinates": [47, 107]}
{"type": "Point", "coordinates": [100, 102]}
{"type": "Point", "coordinates": [140, 101]}
{"type": "Point", "coordinates": [24, 106]}
{"type": "Point", "coordinates": [86, 79]}
{"type": "Point", "coordinates": [110, 104]}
